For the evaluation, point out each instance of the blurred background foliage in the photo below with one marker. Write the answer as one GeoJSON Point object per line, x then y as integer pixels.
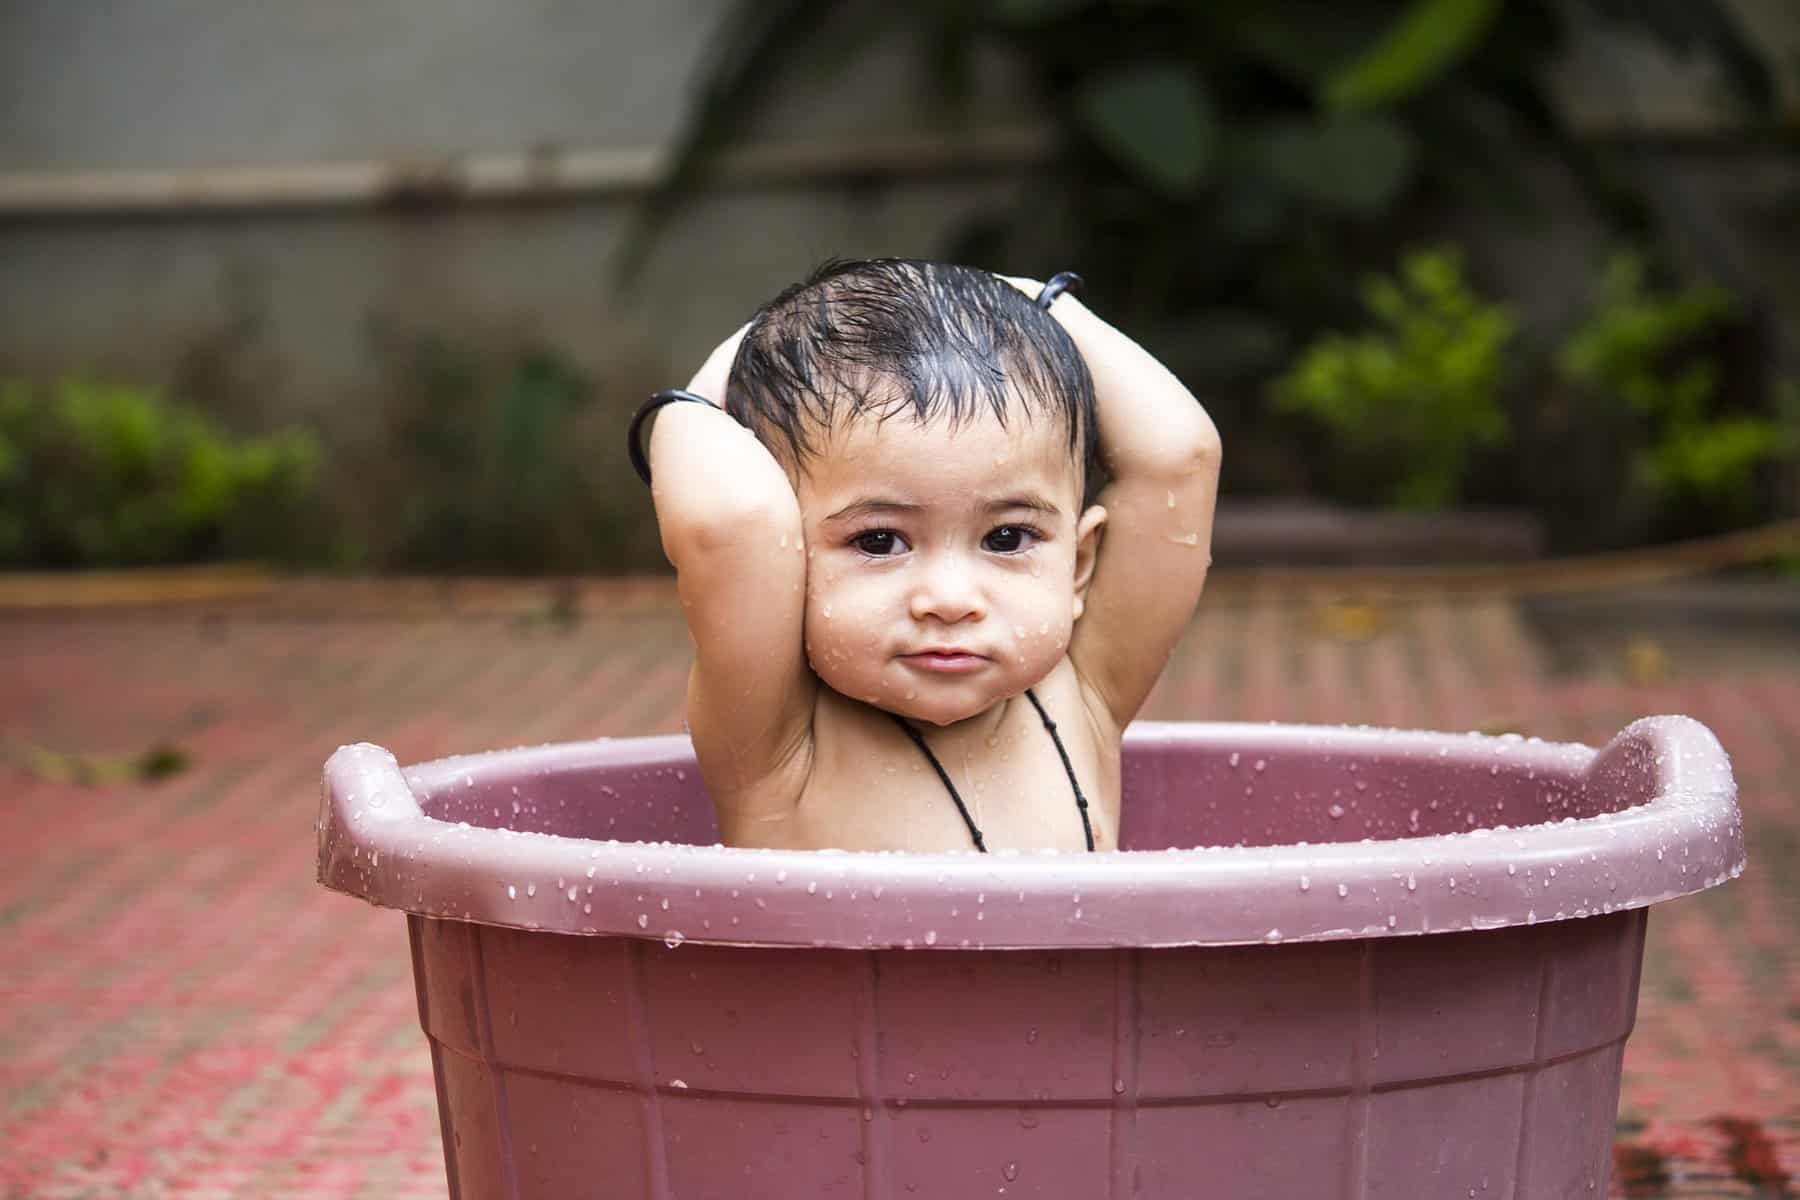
{"type": "Point", "coordinates": [1288, 201]}
{"type": "Point", "coordinates": [108, 474]}
{"type": "Point", "coordinates": [485, 462]}
{"type": "Point", "coordinates": [1245, 183]}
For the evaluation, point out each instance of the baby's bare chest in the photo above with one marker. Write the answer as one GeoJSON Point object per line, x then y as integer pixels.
{"type": "Point", "coordinates": [871, 786]}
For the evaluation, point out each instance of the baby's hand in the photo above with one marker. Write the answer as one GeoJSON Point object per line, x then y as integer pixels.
{"type": "Point", "coordinates": [1030, 287]}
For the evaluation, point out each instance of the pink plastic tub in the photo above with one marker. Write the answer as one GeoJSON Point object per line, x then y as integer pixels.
{"type": "Point", "coordinates": [1333, 963]}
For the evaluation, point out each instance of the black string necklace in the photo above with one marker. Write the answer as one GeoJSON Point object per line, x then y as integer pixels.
{"type": "Point", "coordinates": [1081, 804]}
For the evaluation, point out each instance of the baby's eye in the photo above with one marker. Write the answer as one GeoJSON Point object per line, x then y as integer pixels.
{"type": "Point", "coordinates": [1010, 539]}
{"type": "Point", "coordinates": [879, 543]}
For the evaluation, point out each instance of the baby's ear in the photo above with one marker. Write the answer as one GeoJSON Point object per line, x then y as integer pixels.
{"type": "Point", "coordinates": [1087, 551]}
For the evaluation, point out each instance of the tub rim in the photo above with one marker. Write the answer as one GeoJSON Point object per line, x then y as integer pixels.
{"type": "Point", "coordinates": [375, 842]}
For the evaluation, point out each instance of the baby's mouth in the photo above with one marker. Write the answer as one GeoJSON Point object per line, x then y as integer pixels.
{"type": "Point", "coordinates": [945, 660]}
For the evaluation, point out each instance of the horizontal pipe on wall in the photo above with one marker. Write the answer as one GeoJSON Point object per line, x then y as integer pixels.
{"type": "Point", "coordinates": [545, 173]}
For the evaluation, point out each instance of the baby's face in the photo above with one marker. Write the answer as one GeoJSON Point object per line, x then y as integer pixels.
{"type": "Point", "coordinates": [945, 566]}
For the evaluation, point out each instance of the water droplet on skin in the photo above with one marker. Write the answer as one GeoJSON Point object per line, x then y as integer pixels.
{"type": "Point", "coordinates": [1171, 499]}
{"type": "Point", "coordinates": [784, 541]}
{"type": "Point", "coordinates": [912, 695]}
{"type": "Point", "coordinates": [1185, 539]}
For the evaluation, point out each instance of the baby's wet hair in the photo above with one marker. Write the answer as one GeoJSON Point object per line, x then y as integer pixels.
{"type": "Point", "coordinates": [887, 337]}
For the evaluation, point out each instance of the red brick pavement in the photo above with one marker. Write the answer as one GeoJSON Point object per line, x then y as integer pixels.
{"type": "Point", "coordinates": [183, 1012]}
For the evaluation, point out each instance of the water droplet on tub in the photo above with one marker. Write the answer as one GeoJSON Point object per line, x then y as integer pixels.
{"type": "Point", "coordinates": [643, 920]}
{"type": "Point", "coordinates": [1342, 891]}
{"type": "Point", "coordinates": [1272, 1101]}
{"type": "Point", "coordinates": [1233, 760]}
{"type": "Point", "coordinates": [1336, 811]}
{"type": "Point", "coordinates": [573, 888]}
{"type": "Point", "coordinates": [512, 893]}
{"type": "Point", "coordinates": [674, 938]}
{"type": "Point", "coordinates": [1010, 1171]}
{"type": "Point", "coordinates": [531, 889]}
{"type": "Point", "coordinates": [812, 886]}
{"type": "Point", "coordinates": [1305, 884]}
{"type": "Point", "coordinates": [931, 937]}
{"type": "Point", "coordinates": [1260, 765]}
{"type": "Point", "coordinates": [1412, 883]}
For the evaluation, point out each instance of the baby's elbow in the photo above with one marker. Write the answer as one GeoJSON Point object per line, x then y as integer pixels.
{"type": "Point", "coordinates": [1187, 452]}
{"type": "Point", "coordinates": [735, 524]}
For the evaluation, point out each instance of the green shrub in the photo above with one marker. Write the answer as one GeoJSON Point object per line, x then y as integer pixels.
{"type": "Point", "coordinates": [99, 474]}
{"type": "Point", "coordinates": [1648, 354]}
{"type": "Point", "coordinates": [1420, 392]}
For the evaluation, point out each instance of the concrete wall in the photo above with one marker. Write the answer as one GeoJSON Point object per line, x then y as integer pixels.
{"type": "Point", "coordinates": [290, 296]}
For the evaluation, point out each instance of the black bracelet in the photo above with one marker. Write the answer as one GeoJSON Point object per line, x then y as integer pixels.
{"type": "Point", "coordinates": [1062, 281]}
{"type": "Point", "coordinates": [639, 462]}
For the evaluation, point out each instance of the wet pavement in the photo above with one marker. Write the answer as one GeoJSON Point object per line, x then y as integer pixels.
{"type": "Point", "coordinates": [184, 1012]}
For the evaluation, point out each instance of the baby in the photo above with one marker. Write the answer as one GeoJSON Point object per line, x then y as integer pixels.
{"type": "Point", "coordinates": [912, 632]}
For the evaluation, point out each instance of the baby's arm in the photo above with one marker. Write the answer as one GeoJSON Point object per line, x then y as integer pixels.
{"type": "Point", "coordinates": [731, 525]}
{"type": "Point", "coordinates": [1162, 452]}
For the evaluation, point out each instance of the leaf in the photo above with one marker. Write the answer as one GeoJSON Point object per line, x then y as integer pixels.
{"type": "Point", "coordinates": [1156, 121]}
{"type": "Point", "coordinates": [1302, 40]}
{"type": "Point", "coordinates": [1357, 165]}
{"type": "Point", "coordinates": [1429, 38]}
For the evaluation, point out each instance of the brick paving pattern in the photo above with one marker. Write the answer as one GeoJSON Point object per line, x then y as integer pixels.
{"type": "Point", "coordinates": [184, 1012]}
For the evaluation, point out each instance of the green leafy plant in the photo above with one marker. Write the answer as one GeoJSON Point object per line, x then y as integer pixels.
{"type": "Point", "coordinates": [1225, 172]}
{"type": "Point", "coordinates": [1420, 391]}
{"type": "Point", "coordinates": [105, 474]}
{"type": "Point", "coordinates": [1239, 147]}
{"type": "Point", "coordinates": [1650, 353]}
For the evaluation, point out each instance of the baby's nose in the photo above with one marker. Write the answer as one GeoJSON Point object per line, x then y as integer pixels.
{"type": "Point", "coordinates": [948, 592]}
